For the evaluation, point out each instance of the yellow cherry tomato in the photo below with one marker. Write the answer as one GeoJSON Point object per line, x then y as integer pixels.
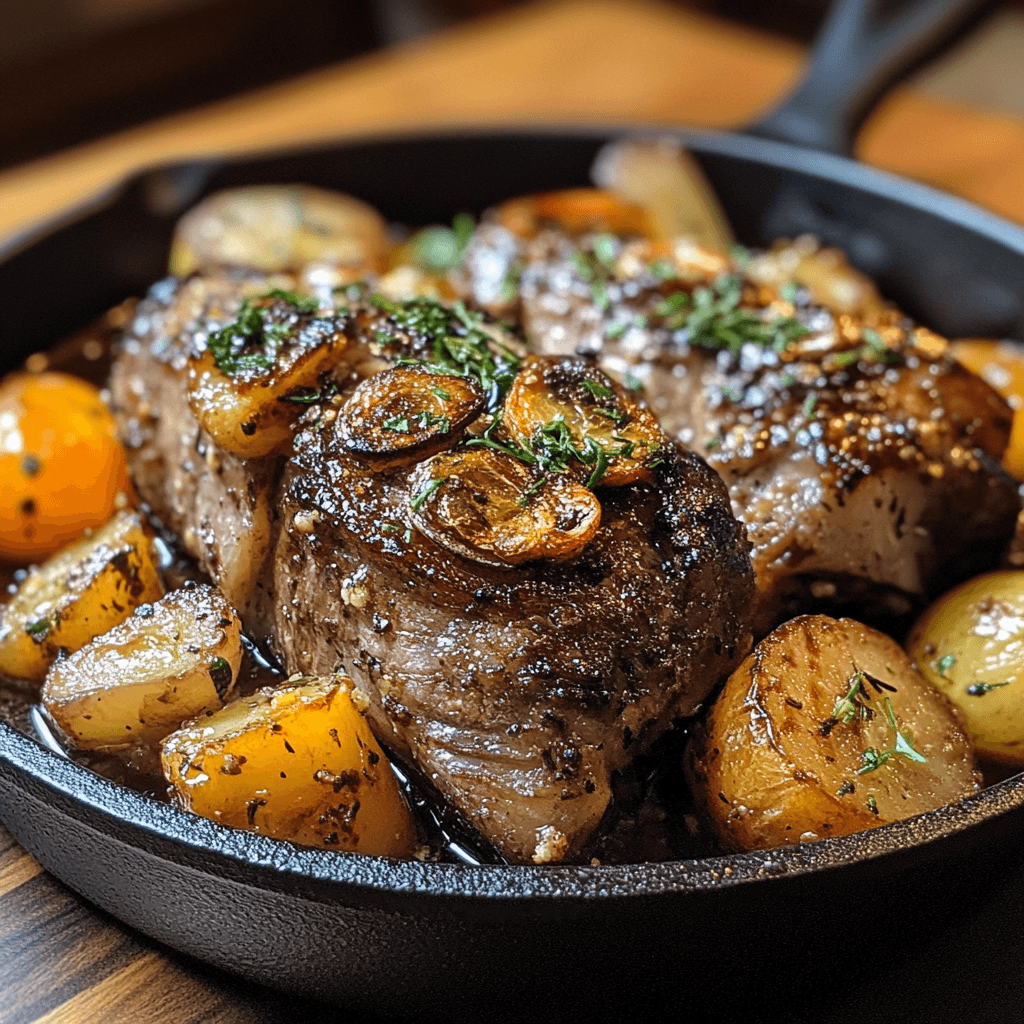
{"type": "Point", "coordinates": [1001, 364]}
{"type": "Point", "coordinates": [62, 468]}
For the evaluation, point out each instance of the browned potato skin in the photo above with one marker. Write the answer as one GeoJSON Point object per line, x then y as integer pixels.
{"type": "Point", "coordinates": [79, 593]}
{"type": "Point", "coordinates": [132, 686]}
{"type": "Point", "coordinates": [771, 767]}
{"type": "Point", "coordinates": [294, 762]}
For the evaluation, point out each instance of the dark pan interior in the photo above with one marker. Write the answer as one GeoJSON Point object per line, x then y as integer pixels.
{"type": "Point", "coordinates": [389, 936]}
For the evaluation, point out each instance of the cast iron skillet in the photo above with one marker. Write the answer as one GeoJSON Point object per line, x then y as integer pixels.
{"type": "Point", "coordinates": [458, 942]}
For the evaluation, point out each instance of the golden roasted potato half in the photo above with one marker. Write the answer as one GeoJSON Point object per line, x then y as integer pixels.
{"type": "Point", "coordinates": [79, 593]}
{"type": "Point", "coordinates": [170, 661]}
{"type": "Point", "coordinates": [407, 412]}
{"type": "Point", "coordinates": [296, 762]}
{"type": "Point", "coordinates": [252, 382]}
{"type": "Point", "coordinates": [826, 729]}
{"type": "Point", "coordinates": [279, 227]}
{"type": "Point", "coordinates": [489, 507]}
{"type": "Point", "coordinates": [610, 436]}
{"type": "Point", "coordinates": [970, 645]}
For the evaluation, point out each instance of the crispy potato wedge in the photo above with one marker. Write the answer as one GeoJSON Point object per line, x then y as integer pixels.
{"type": "Point", "coordinates": [970, 645]}
{"type": "Point", "coordinates": [487, 506]}
{"type": "Point", "coordinates": [78, 594]}
{"type": "Point", "coordinates": [826, 729]}
{"type": "Point", "coordinates": [296, 762]}
{"type": "Point", "coordinates": [279, 227]}
{"type": "Point", "coordinates": [170, 661]}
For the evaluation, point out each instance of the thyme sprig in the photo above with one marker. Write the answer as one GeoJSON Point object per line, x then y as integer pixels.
{"type": "Point", "coordinates": [874, 759]}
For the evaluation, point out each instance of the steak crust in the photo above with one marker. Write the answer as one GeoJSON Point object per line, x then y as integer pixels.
{"type": "Point", "coordinates": [518, 692]}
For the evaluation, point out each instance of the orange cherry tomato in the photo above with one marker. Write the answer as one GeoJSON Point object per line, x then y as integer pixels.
{"type": "Point", "coordinates": [62, 468]}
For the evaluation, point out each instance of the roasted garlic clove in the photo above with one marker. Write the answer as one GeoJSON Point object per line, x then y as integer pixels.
{"type": "Point", "coordinates": [279, 227]}
{"type": "Point", "coordinates": [602, 429]}
{"type": "Point", "coordinates": [171, 660]}
{"type": "Point", "coordinates": [259, 372]}
{"type": "Point", "coordinates": [490, 507]}
{"type": "Point", "coordinates": [407, 411]}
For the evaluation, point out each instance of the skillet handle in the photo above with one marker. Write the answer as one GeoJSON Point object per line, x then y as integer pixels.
{"type": "Point", "coordinates": [864, 47]}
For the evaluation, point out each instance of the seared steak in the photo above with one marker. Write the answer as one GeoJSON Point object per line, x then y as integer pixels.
{"type": "Point", "coordinates": [521, 629]}
{"type": "Point", "coordinates": [861, 457]}
{"type": "Point", "coordinates": [518, 691]}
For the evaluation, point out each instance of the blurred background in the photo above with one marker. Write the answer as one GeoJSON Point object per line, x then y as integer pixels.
{"type": "Point", "coordinates": [74, 70]}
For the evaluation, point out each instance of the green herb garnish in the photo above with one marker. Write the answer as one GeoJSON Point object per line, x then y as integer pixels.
{"type": "Point", "coordinates": [874, 759]}
{"type": "Point", "coordinates": [980, 689]}
{"type": "Point", "coordinates": [945, 663]}
{"type": "Point", "coordinates": [417, 503]}
{"type": "Point", "coordinates": [399, 424]}
{"type": "Point", "coordinates": [251, 329]}
{"type": "Point", "coordinates": [39, 629]}
{"type": "Point", "coordinates": [719, 322]}
{"type": "Point", "coordinates": [438, 248]}
{"type": "Point", "coordinates": [597, 390]}
{"type": "Point", "coordinates": [458, 344]}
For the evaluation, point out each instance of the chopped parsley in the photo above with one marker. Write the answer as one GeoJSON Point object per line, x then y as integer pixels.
{"type": "Point", "coordinates": [597, 390]}
{"type": "Point", "coordinates": [251, 329]}
{"type": "Point", "coordinates": [418, 501]}
{"type": "Point", "coordinates": [423, 419]}
{"type": "Point", "coordinates": [459, 345]}
{"type": "Point", "coordinates": [980, 689]}
{"type": "Point", "coordinates": [945, 663]}
{"type": "Point", "coordinates": [718, 321]}
{"type": "Point", "coordinates": [39, 629]}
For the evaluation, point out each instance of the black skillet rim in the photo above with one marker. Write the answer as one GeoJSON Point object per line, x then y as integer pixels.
{"type": "Point", "coordinates": [178, 837]}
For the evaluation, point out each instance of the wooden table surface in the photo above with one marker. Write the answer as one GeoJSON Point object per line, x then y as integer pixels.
{"type": "Point", "coordinates": [575, 60]}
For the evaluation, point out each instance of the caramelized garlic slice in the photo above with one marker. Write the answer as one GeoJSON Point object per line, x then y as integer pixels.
{"type": "Point", "coordinates": [407, 412]}
{"type": "Point", "coordinates": [593, 407]}
{"type": "Point", "coordinates": [489, 507]}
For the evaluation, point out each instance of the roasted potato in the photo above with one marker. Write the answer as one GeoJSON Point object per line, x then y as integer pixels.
{"type": "Point", "coordinates": [170, 661]}
{"type": "Point", "coordinates": [280, 227]}
{"type": "Point", "coordinates": [297, 762]}
{"type": "Point", "coordinates": [77, 595]}
{"type": "Point", "coordinates": [826, 729]}
{"type": "Point", "coordinates": [970, 645]}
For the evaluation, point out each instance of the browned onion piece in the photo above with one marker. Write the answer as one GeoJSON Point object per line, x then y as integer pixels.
{"type": "Point", "coordinates": [489, 507]}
